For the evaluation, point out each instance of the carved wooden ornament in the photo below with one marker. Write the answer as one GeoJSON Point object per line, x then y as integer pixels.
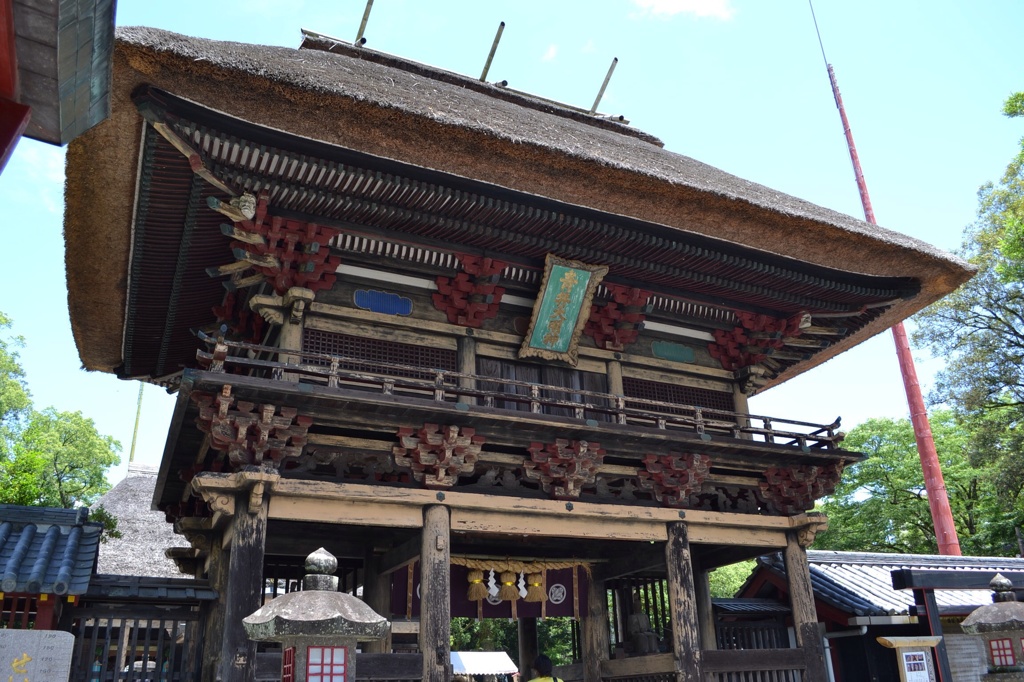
{"type": "Point", "coordinates": [564, 467]}
{"type": "Point", "coordinates": [251, 433]}
{"type": "Point", "coordinates": [792, 490]}
{"type": "Point", "coordinates": [438, 455]}
{"type": "Point", "coordinates": [673, 478]}
{"type": "Point", "coordinates": [473, 295]}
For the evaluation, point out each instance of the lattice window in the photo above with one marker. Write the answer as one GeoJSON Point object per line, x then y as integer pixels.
{"type": "Point", "coordinates": [1002, 652]}
{"type": "Point", "coordinates": [325, 664]}
{"type": "Point", "coordinates": [679, 394]}
{"type": "Point", "coordinates": [376, 350]}
{"type": "Point", "coordinates": [288, 665]}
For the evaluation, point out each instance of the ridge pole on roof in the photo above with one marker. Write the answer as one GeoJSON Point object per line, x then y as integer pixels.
{"type": "Point", "coordinates": [362, 24]}
{"type": "Point", "coordinates": [604, 85]}
{"type": "Point", "coordinates": [938, 501]}
{"type": "Point", "coordinates": [494, 48]}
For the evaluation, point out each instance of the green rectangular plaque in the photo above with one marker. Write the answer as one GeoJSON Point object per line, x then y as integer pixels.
{"type": "Point", "coordinates": [562, 309]}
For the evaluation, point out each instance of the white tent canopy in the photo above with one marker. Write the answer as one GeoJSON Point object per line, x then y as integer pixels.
{"type": "Point", "coordinates": [482, 663]}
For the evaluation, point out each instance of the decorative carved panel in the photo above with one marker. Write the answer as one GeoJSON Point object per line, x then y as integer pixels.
{"type": "Point", "coordinates": [438, 455]}
{"type": "Point", "coordinates": [728, 498]}
{"type": "Point", "coordinates": [673, 478]}
{"type": "Point", "coordinates": [616, 323]}
{"type": "Point", "coordinates": [792, 490]}
{"type": "Point", "coordinates": [249, 433]}
{"type": "Point", "coordinates": [473, 295]}
{"type": "Point", "coordinates": [749, 343]}
{"type": "Point", "coordinates": [564, 467]}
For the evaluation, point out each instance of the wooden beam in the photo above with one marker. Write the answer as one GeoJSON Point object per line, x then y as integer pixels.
{"type": "Point", "coordinates": [528, 648]}
{"type": "Point", "coordinates": [595, 636]}
{"type": "Point", "coordinates": [377, 595]}
{"type": "Point", "coordinates": [237, 656]}
{"type": "Point", "coordinates": [805, 618]}
{"type": "Point", "coordinates": [399, 557]}
{"type": "Point", "coordinates": [643, 558]}
{"type": "Point", "coordinates": [9, 85]}
{"type": "Point", "coordinates": [686, 644]}
{"type": "Point", "coordinates": [14, 118]}
{"type": "Point", "coordinates": [435, 595]}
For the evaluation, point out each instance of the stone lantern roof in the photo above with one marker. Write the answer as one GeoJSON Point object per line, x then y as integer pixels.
{"type": "Point", "coordinates": [319, 610]}
{"type": "Point", "coordinates": [1005, 614]}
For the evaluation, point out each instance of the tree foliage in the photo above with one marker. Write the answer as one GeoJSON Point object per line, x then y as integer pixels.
{"type": "Point", "coordinates": [881, 504]}
{"type": "Point", "coordinates": [554, 637]}
{"type": "Point", "coordinates": [48, 458]}
{"type": "Point", "coordinates": [979, 329]}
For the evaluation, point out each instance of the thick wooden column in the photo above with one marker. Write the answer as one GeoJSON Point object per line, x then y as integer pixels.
{"type": "Point", "coordinates": [686, 643]}
{"type": "Point", "coordinates": [528, 648]}
{"type": "Point", "coordinates": [245, 584]}
{"type": "Point", "coordinates": [705, 612]}
{"type": "Point", "coordinates": [217, 573]}
{"type": "Point", "coordinates": [595, 639]}
{"type": "Point", "coordinates": [805, 618]}
{"type": "Point", "coordinates": [435, 594]}
{"type": "Point", "coordinates": [377, 595]}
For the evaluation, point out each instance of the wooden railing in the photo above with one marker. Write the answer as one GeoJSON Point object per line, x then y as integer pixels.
{"type": "Point", "coordinates": [442, 385]}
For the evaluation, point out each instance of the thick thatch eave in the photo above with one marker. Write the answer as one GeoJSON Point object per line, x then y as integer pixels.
{"type": "Point", "coordinates": [407, 116]}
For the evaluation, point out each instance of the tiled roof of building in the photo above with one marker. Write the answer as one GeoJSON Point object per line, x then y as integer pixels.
{"type": "Point", "coordinates": [860, 583]}
{"type": "Point", "coordinates": [47, 551]}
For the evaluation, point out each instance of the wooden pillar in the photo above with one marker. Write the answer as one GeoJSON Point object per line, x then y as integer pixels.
{"type": "Point", "coordinates": [467, 365]}
{"type": "Point", "coordinates": [705, 612]}
{"type": "Point", "coordinates": [528, 648]}
{"type": "Point", "coordinates": [805, 617]}
{"type": "Point", "coordinates": [435, 594]}
{"type": "Point", "coordinates": [377, 595]}
{"type": "Point", "coordinates": [615, 377]}
{"type": "Point", "coordinates": [213, 628]}
{"type": "Point", "coordinates": [741, 405]}
{"type": "Point", "coordinates": [244, 590]}
{"type": "Point", "coordinates": [595, 639]}
{"type": "Point", "coordinates": [686, 643]}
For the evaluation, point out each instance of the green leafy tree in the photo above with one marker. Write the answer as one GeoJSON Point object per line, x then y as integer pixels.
{"type": "Point", "coordinates": [14, 395]}
{"type": "Point", "coordinates": [726, 581]}
{"type": "Point", "coordinates": [66, 457]}
{"type": "Point", "coordinates": [48, 458]}
{"type": "Point", "coordinates": [881, 504]}
{"type": "Point", "coordinates": [979, 329]}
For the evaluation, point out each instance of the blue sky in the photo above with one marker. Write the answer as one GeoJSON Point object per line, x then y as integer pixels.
{"type": "Point", "coordinates": [738, 84]}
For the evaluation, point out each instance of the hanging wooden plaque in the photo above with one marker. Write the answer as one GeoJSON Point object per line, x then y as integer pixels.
{"type": "Point", "coordinates": [561, 310]}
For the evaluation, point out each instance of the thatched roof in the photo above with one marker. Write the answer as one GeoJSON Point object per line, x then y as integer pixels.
{"type": "Point", "coordinates": [145, 533]}
{"type": "Point", "coordinates": [383, 106]}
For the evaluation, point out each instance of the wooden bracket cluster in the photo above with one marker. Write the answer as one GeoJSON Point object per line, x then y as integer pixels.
{"type": "Point", "coordinates": [616, 324]}
{"type": "Point", "coordinates": [288, 253]}
{"type": "Point", "coordinates": [473, 295]}
{"type": "Point", "coordinates": [438, 455]}
{"type": "Point", "coordinates": [792, 490]}
{"type": "Point", "coordinates": [564, 467]}
{"type": "Point", "coordinates": [250, 433]}
{"type": "Point", "coordinates": [674, 477]}
{"type": "Point", "coordinates": [756, 337]}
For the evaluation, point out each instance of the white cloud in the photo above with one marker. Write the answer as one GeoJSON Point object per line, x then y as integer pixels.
{"type": "Point", "coordinates": [550, 54]}
{"type": "Point", "coordinates": [588, 47]}
{"type": "Point", "coordinates": [719, 9]}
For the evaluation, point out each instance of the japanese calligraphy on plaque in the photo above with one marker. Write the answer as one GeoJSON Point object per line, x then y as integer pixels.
{"type": "Point", "coordinates": [561, 309]}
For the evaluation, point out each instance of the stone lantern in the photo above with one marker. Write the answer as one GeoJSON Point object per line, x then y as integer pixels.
{"type": "Point", "coordinates": [318, 627]}
{"type": "Point", "coordinates": [1001, 624]}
